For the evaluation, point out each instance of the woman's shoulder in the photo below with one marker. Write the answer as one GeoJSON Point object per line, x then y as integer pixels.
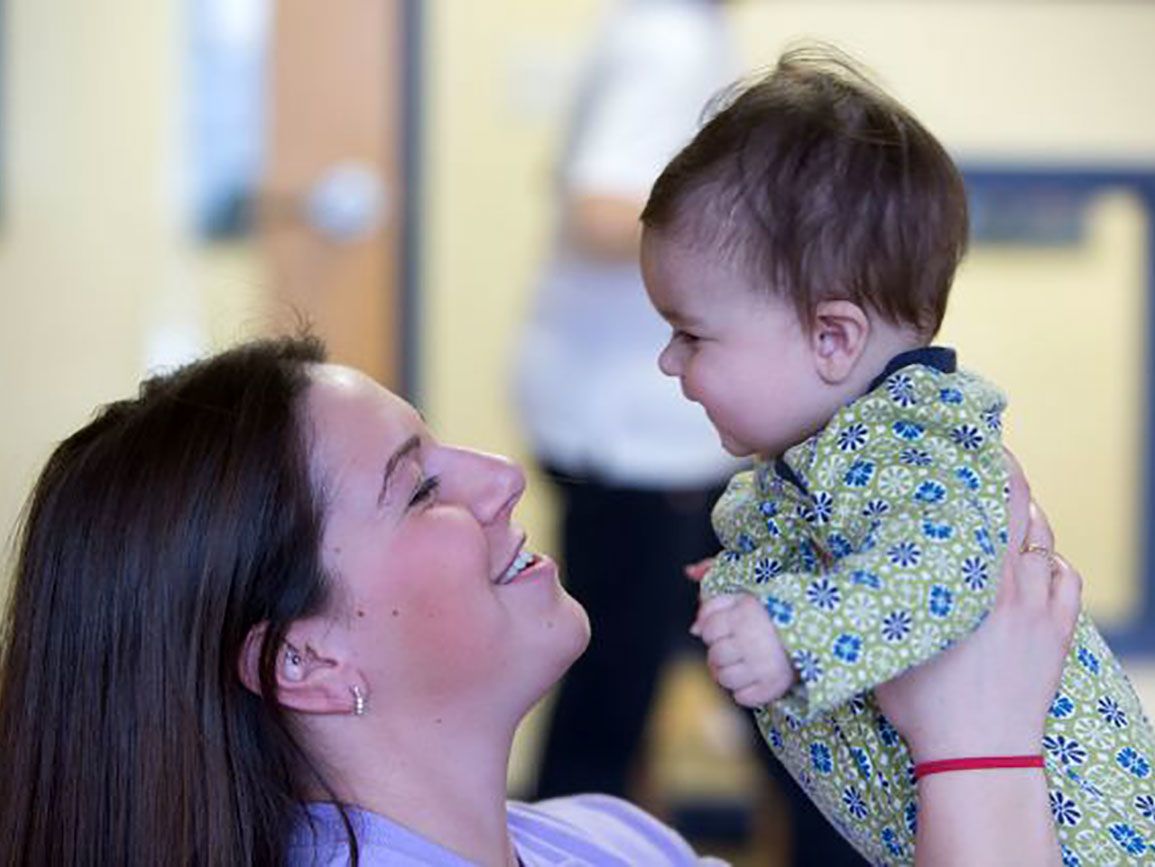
{"type": "Point", "coordinates": [581, 829]}
{"type": "Point", "coordinates": [596, 829]}
{"type": "Point", "coordinates": [321, 839]}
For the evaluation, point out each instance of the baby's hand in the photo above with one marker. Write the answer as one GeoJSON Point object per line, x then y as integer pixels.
{"type": "Point", "coordinates": [745, 655]}
{"type": "Point", "coordinates": [697, 571]}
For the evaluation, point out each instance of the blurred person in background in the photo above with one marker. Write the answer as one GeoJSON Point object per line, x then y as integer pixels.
{"type": "Point", "coordinates": [635, 466]}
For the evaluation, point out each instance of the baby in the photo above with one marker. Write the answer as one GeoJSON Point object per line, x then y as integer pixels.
{"type": "Point", "coordinates": [802, 247]}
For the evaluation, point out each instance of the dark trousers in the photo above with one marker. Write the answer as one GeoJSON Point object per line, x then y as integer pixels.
{"type": "Point", "coordinates": [623, 551]}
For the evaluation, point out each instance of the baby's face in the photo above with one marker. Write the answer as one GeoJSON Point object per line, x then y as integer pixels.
{"type": "Point", "coordinates": [738, 351]}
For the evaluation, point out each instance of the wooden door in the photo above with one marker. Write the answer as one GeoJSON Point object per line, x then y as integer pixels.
{"type": "Point", "coordinates": [335, 104]}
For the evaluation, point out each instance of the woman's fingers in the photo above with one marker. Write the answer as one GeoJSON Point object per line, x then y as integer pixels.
{"type": "Point", "coordinates": [1030, 578]}
{"type": "Point", "coordinates": [1066, 594]}
{"type": "Point", "coordinates": [1018, 503]}
{"type": "Point", "coordinates": [1036, 569]}
{"type": "Point", "coordinates": [1039, 534]}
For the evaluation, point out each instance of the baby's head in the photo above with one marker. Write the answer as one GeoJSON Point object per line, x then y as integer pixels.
{"type": "Point", "coordinates": [807, 234]}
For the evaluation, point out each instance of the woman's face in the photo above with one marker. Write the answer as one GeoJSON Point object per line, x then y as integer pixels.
{"type": "Point", "coordinates": [419, 543]}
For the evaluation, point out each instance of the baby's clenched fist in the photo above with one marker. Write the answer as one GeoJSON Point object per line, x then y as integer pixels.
{"type": "Point", "coordinates": [744, 652]}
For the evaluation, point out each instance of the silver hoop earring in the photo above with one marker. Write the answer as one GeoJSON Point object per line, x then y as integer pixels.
{"type": "Point", "coordinates": [358, 701]}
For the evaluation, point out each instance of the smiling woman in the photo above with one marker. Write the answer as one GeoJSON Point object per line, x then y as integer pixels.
{"type": "Point", "coordinates": [261, 593]}
{"type": "Point", "coordinates": [262, 616]}
{"type": "Point", "coordinates": [419, 536]}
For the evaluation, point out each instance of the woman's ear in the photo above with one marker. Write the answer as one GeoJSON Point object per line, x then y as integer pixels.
{"type": "Point", "coordinates": [308, 679]}
{"type": "Point", "coordinates": [838, 339]}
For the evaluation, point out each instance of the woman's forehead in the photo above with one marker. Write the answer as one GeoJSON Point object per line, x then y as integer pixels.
{"type": "Point", "coordinates": [352, 417]}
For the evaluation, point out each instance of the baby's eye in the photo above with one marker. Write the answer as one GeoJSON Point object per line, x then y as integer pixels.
{"type": "Point", "coordinates": [685, 336]}
{"type": "Point", "coordinates": [425, 491]}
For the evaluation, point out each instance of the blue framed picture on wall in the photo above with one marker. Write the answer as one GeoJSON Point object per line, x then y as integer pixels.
{"type": "Point", "coordinates": [226, 112]}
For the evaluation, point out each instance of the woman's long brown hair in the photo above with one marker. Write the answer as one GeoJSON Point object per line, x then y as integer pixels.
{"type": "Point", "coordinates": [155, 539]}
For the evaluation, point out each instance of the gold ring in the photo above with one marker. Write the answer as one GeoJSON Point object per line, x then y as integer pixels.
{"type": "Point", "coordinates": [1046, 552]}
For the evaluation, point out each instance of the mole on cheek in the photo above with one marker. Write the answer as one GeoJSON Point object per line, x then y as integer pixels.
{"type": "Point", "coordinates": [396, 613]}
{"type": "Point", "coordinates": [360, 613]}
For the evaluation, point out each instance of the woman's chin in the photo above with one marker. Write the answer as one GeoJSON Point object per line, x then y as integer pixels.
{"type": "Point", "coordinates": [572, 628]}
{"type": "Point", "coordinates": [568, 641]}
{"type": "Point", "coordinates": [569, 636]}
{"type": "Point", "coordinates": [583, 631]}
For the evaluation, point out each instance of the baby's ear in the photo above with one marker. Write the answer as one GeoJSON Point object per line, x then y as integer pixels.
{"type": "Point", "coordinates": [838, 339]}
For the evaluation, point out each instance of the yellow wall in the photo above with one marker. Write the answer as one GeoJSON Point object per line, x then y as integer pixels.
{"type": "Point", "coordinates": [85, 228]}
{"type": "Point", "coordinates": [498, 75]}
{"type": "Point", "coordinates": [1064, 333]}
{"type": "Point", "coordinates": [98, 280]}
{"type": "Point", "coordinates": [1053, 79]}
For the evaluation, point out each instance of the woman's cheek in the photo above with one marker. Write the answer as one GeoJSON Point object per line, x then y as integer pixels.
{"type": "Point", "coordinates": [447, 590]}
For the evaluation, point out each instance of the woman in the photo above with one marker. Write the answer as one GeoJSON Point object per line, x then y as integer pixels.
{"type": "Point", "coordinates": [262, 589]}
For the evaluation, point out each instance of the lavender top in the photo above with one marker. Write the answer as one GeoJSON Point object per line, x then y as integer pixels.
{"type": "Point", "coordinates": [580, 830]}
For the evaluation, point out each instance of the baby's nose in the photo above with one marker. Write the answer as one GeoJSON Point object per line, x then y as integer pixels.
{"type": "Point", "coordinates": [668, 361]}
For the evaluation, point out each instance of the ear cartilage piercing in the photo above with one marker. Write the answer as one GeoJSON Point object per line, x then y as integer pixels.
{"type": "Point", "coordinates": [358, 701]}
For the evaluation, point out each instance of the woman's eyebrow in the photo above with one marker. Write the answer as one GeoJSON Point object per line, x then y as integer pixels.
{"type": "Point", "coordinates": [407, 449]}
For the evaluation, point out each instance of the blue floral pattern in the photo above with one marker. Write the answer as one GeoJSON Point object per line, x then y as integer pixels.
{"type": "Point", "coordinates": [887, 552]}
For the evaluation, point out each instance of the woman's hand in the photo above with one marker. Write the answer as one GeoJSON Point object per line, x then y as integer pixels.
{"type": "Point", "coordinates": [989, 695]}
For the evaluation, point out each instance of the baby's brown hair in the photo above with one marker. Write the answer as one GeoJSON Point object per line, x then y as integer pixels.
{"type": "Point", "coordinates": [823, 187]}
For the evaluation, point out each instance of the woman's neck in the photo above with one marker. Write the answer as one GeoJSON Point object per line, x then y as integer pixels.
{"type": "Point", "coordinates": [445, 782]}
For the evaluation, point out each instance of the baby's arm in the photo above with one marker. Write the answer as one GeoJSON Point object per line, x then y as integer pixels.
{"type": "Point", "coordinates": [903, 557]}
{"type": "Point", "coordinates": [867, 619]}
{"type": "Point", "coordinates": [744, 653]}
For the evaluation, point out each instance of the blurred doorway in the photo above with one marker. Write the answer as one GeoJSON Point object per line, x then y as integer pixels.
{"type": "Point", "coordinates": [330, 212]}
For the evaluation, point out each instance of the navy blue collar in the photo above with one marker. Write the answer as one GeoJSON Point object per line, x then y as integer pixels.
{"type": "Point", "coordinates": [785, 471]}
{"type": "Point", "coordinates": [939, 357]}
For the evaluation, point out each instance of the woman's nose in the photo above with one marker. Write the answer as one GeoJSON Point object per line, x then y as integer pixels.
{"type": "Point", "coordinates": [494, 485]}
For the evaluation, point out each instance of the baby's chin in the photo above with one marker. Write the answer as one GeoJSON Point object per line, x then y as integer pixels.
{"type": "Point", "coordinates": [738, 449]}
{"type": "Point", "coordinates": [735, 447]}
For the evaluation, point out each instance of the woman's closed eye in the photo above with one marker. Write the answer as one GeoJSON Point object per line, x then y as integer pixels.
{"type": "Point", "coordinates": [425, 491]}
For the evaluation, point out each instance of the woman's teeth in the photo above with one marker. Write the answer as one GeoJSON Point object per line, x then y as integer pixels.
{"type": "Point", "coordinates": [522, 562]}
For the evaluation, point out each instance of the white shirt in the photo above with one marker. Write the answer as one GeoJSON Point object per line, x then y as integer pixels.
{"type": "Point", "coordinates": [589, 389]}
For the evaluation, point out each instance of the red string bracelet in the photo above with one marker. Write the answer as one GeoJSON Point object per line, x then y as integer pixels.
{"type": "Point", "coordinates": [976, 763]}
